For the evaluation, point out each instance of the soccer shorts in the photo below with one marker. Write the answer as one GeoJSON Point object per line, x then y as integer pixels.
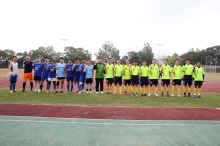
{"type": "Point", "coordinates": [76, 79]}
{"type": "Point", "coordinates": [165, 82]}
{"type": "Point", "coordinates": [69, 79]}
{"type": "Point", "coordinates": [60, 78]}
{"type": "Point", "coordinates": [51, 79]}
{"type": "Point", "coordinates": [109, 80]}
{"type": "Point", "coordinates": [118, 80]}
{"type": "Point", "coordinates": [187, 80]}
{"type": "Point", "coordinates": [144, 81]}
{"type": "Point", "coordinates": [28, 76]}
{"type": "Point", "coordinates": [127, 82]}
{"type": "Point", "coordinates": [13, 78]}
{"type": "Point", "coordinates": [44, 77]}
{"type": "Point", "coordinates": [198, 83]}
{"type": "Point", "coordinates": [176, 82]}
{"type": "Point", "coordinates": [134, 80]}
{"type": "Point", "coordinates": [37, 78]}
{"type": "Point", "coordinates": [89, 80]}
{"type": "Point", "coordinates": [154, 82]}
{"type": "Point", "coordinates": [82, 79]}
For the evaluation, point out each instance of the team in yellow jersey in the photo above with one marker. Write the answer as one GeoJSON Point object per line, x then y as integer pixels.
{"type": "Point", "coordinates": [148, 76]}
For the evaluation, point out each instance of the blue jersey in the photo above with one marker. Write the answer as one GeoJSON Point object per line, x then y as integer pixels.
{"type": "Point", "coordinates": [82, 73]}
{"type": "Point", "coordinates": [44, 71]}
{"type": "Point", "coordinates": [76, 70]}
{"type": "Point", "coordinates": [37, 69]}
{"type": "Point", "coordinates": [52, 71]}
{"type": "Point", "coordinates": [69, 72]}
{"type": "Point", "coordinates": [89, 71]}
{"type": "Point", "coordinates": [60, 68]}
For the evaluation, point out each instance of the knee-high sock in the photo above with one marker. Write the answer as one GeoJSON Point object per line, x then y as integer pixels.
{"type": "Point", "coordinates": [162, 88]}
{"type": "Point", "coordinates": [150, 89]}
{"type": "Point", "coordinates": [48, 85]}
{"type": "Point", "coordinates": [68, 87]}
{"type": "Point", "coordinates": [120, 88]}
{"type": "Point", "coordinates": [145, 90]}
{"type": "Point", "coordinates": [14, 86]}
{"type": "Point", "coordinates": [141, 89]}
{"type": "Point", "coordinates": [54, 85]}
{"type": "Point", "coordinates": [136, 89]}
{"type": "Point", "coordinates": [194, 90]}
{"type": "Point", "coordinates": [24, 85]}
{"type": "Point", "coordinates": [132, 88]}
{"type": "Point", "coordinates": [156, 89]}
{"type": "Point", "coordinates": [173, 89]}
{"type": "Point", "coordinates": [125, 88]}
{"type": "Point", "coordinates": [41, 87]}
{"type": "Point", "coordinates": [129, 88]}
{"type": "Point", "coordinates": [31, 84]}
{"type": "Point", "coordinates": [87, 87]}
{"type": "Point", "coordinates": [108, 87]}
{"type": "Point", "coordinates": [189, 89]}
{"type": "Point", "coordinates": [35, 85]}
{"type": "Point", "coordinates": [184, 89]}
{"type": "Point", "coordinates": [82, 86]}
{"type": "Point", "coordinates": [71, 89]}
{"type": "Point", "coordinates": [167, 89]}
{"type": "Point", "coordinates": [199, 90]}
{"type": "Point", "coordinates": [90, 87]}
{"type": "Point", "coordinates": [11, 86]}
{"type": "Point", "coordinates": [114, 88]}
{"type": "Point", "coordinates": [178, 88]}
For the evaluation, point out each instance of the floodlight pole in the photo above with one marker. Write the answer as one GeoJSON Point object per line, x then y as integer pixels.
{"type": "Point", "coordinates": [159, 52]}
{"type": "Point", "coordinates": [64, 42]}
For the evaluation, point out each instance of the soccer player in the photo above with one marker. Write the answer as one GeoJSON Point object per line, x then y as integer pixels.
{"type": "Point", "coordinates": [27, 65]}
{"type": "Point", "coordinates": [51, 75]}
{"type": "Point", "coordinates": [82, 76]}
{"type": "Point", "coordinates": [99, 75]}
{"type": "Point", "coordinates": [177, 75]}
{"type": "Point", "coordinates": [109, 69]}
{"type": "Point", "coordinates": [165, 71]}
{"type": "Point", "coordinates": [153, 76]}
{"type": "Point", "coordinates": [44, 72]}
{"type": "Point", "coordinates": [69, 75]}
{"type": "Point", "coordinates": [127, 77]}
{"type": "Point", "coordinates": [187, 79]}
{"type": "Point", "coordinates": [76, 75]}
{"type": "Point", "coordinates": [37, 74]}
{"type": "Point", "coordinates": [134, 78]}
{"type": "Point", "coordinates": [13, 72]}
{"type": "Point", "coordinates": [89, 70]}
{"type": "Point", "coordinates": [144, 73]}
{"type": "Point", "coordinates": [118, 71]}
{"type": "Point", "coordinates": [61, 73]}
{"type": "Point", "coordinates": [199, 78]}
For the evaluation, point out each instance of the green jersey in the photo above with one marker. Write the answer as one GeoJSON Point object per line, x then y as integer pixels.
{"type": "Point", "coordinates": [187, 69]}
{"type": "Point", "coordinates": [118, 70]}
{"type": "Point", "coordinates": [177, 72]}
{"type": "Point", "coordinates": [109, 71]}
{"type": "Point", "coordinates": [144, 71]}
{"type": "Point", "coordinates": [165, 70]}
{"type": "Point", "coordinates": [99, 70]}
{"type": "Point", "coordinates": [135, 70]}
{"type": "Point", "coordinates": [127, 72]}
{"type": "Point", "coordinates": [198, 73]}
{"type": "Point", "coordinates": [153, 71]}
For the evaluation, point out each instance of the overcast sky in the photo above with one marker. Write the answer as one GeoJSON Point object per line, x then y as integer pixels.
{"type": "Point", "coordinates": [178, 24]}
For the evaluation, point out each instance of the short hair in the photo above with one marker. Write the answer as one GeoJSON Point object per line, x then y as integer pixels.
{"type": "Point", "coordinates": [177, 60]}
{"type": "Point", "coordinates": [61, 58]}
{"type": "Point", "coordinates": [46, 57]}
{"type": "Point", "coordinates": [14, 57]}
{"type": "Point", "coordinates": [118, 59]}
{"type": "Point", "coordinates": [134, 60]}
{"type": "Point", "coordinates": [144, 61]}
{"type": "Point", "coordinates": [187, 59]}
{"type": "Point", "coordinates": [83, 59]}
{"type": "Point", "coordinates": [99, 57]}
{"type": "Point", "coordinates": [28, 56]}
{"type": "Point", "coordinates": [166, 59]}
{"type": "Point", "coordinates": [76, 59]}
{"type": "Point", "coordinates": [51, 60]}
{"type": "Point", "coordinates": [70, 60]}
{"type": "Point", "coordinates": [198, 61]}
{"type": "Point", "coordinates": [154, 59]}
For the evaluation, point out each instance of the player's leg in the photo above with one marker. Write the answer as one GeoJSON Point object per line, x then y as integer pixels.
{"type": "Point", "coordinates": [173, 87]}
{"type": "Point", "coordinates": [141, 85]}
{"type": "Point", "coordinates": [189, 85]}
{"type": "Point", "coordinates": [48, 85]}
{"type": "Point", "coordinates": [30, 77]}
{"type": "Point", "coordinates": [42, 82]}
{"type": "Point", "coordinates": [195, 88]}
{"type": "Point", "coordinates": [150, 87]}
{"type": "Point", "coordinates": [120, 85]}
{"type": "Point", "coordinates": [107, 83]}
{"type": "Point", "coordinates": [97, 85]}
{"type": "Point", "coordinates": [115, 84]}
{"type": "Point", "coordinates": [167, 87]}
{"type": "Point", "coordinates": [146, 86]}
{"type": "Point", "coordinates": [68, 84]}
{"type": "Point", "coordinates": [91, 81]}
{"type": "Point", "coordinates": [62, 84]}
{"type": "Point", "coordinates": [24, 82]}
{"type": "Point", "coordinates": [125, 85]}
{"type": "Point", "coordinates": [162, 87]}
{"type": "Point", "coordinates": [54, 85]}
{"type": "Point", "coordinates": [199, 89]}
{"type": "Point", "coordinates": [58, 83]}
{"type": "Point", "coordinates": [101, 85]}
{"type": "Point", "coordinates": [156, 87]}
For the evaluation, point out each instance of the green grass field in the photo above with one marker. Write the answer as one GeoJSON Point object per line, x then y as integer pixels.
{"type": "Point", "coordinates": [215, 77]}
{"type": "Point", "coordinates": [208, 99]}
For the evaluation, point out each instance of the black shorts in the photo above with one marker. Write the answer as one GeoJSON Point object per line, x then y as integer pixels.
{"type": "Point", "coordinates": [127, 82]}
{"type": "Point", "coordinates": [144, 81]}
{"type": "Point", "coordinates": [134, 80]}
{"type": "Point", "coordinates": [109, 80]}
{"type": "Point", "coordinates": [69, 79]}
{"type": "Point", "coordinates": [176, 82]}
{"type": "Point", "coordinates": [165, 82]}
{"type": "Point", "coordinates": [154, 82]}
{"type": "Point", "coordinates": [118, 80]}
{"type": "Point", "coordinates": [89, 80]}
{"type": "Point", "coordinates": [37, 78]}
{"type": "Point", "coordinates": [60, 78]}
{"type": "Point", "coordinates": [187, 80]}
{"type": "Point", "coordinates": [198, 83]}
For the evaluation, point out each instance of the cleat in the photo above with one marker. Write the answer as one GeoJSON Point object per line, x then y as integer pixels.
{"type": "Point", "coordinates": [115, 93]}
{"type": "Point", "coordinates": [156, 94]}
{"type": "Point", "coordinates": [107, 93]}
{"type": "Point", "coordinates": [150, 94]}
{"type": "Point", "coordinates": [145, 94]}
{"type": "Point", "coordinates": [188, 94]}
{"type": "Point", "coordinates": [136, 94]}
{"type": "Point", "coordinates": [132, 94]}
{"type": "Point", "coordinates": [90, 92]}
{"type": "Point", "coordinates": [61, 91]}
{"type": "Point", "coordinates": [101, 92]}
{"type": "Point", "coordinates": [79, 92]}
{"type": "Point", "coordinates": [172, 95]}
{"type": "Point", "coordinates": [184, 94]}
{"type": "Point", "coordinates": [110, 92]}
{"type": "Point", "coordinates": [87, 92]}
{"type": "Point", "coordinates": [125, 93]}
{"type": "Point", "coordinates": [15, 90]}
{"type": "Point", "coordinates": [68, 91]}
{"type": "Point", "coordinates": [23, 91]}
{"type": "Point", "coordinates": [199, 96]}
{"type": "Point", "coordinates": [195, 96]}
{"type": "Point", "coordinates": [179, 95]}
{"type": "Point", "coordinates": [142, 95]}
{"type": "Point", "coordinates": [47, 91]}
{"type": "Point", "coordinates": [11, 91]}
{"type": "Point", "coordinates": [39, 91]}
{"type": "Point", "coordinates": [36, 90]}
{"type": "Point", "coordinates": [97, 92]}
{"type": "Point", "coordinates": [56, 91]}
{"type": "Point", "coordinates": [128, 93]}
{"type": "Point", "coordinates": [168, 95]}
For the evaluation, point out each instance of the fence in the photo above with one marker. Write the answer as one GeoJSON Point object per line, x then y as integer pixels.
{"type": "Point", "coordinates": [211, 68]}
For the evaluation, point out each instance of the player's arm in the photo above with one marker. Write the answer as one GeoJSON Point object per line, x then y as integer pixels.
{"type": "Point", "coordinates": [10, 69]}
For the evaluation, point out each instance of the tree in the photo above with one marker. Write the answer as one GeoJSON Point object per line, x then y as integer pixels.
{"type": "Point", "coordinates": [132, 55]}
{"type": "Point", "coordinates": [108, 50]}
{"type": "Point", "coordinates": [146, 54]}
{"type": "Point", "coordinates": [72, 53]}
{"type": "Point", "coordinates": [123, 59]}
{"type": "Point", "coordinates": [172, 59]}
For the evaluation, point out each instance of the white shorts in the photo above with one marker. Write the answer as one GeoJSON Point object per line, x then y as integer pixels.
{"type": "Point", "coordinates": [51, 79]}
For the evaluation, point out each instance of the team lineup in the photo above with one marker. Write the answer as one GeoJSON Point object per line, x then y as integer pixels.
{"type": "Point", "coordinates": [132, 76]}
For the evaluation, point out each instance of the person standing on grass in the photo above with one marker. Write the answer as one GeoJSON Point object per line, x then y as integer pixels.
{"type": "Point", "coordinates": [76, 75]}
{"type": "Point", "coordinates": [153, 76]}
{"type": "Point", "coordinates": [109, 69]}
{"type": "Point", "coordinates": [134, 78]}
{"type": "Point", "coordinates": [44, 72]}
{"type": "Point", "coordinates": [144, 73]}
{"type": "Point", "coordinates": [69, 75]}
{"type": "Point", "coordinates": [199, 78]}
{"type": "Point", "coordinates": [89, 70]}
{"type": "Point", "coordinates": [13, 73]}
{"type": "Point", "coordinates": [51, 75]}
{"type": "Point", "coordinates": [99, 75]}
{"type": "Point", "coordinates": [82, 77]}
{"type": "Point", "coordinates": [27, 65]}
{"type": "Point", "coordinates": [118, 72]}
{"type": "Point", "coordinates": [187, 79]}
{"type": "Point", "coordinates": [177, 75]}
{"type": "Point", "coordinates": [61, 73]}
{"type": "Point", "coordinates": [37, 74]}
{"type": "Point", "coordinates": [127, 77]}
{"type": "Point", "coordinates": [165, 72]}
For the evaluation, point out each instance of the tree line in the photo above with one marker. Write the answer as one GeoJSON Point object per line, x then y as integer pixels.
{"type": "Point", "coordinates": [208, 56]}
